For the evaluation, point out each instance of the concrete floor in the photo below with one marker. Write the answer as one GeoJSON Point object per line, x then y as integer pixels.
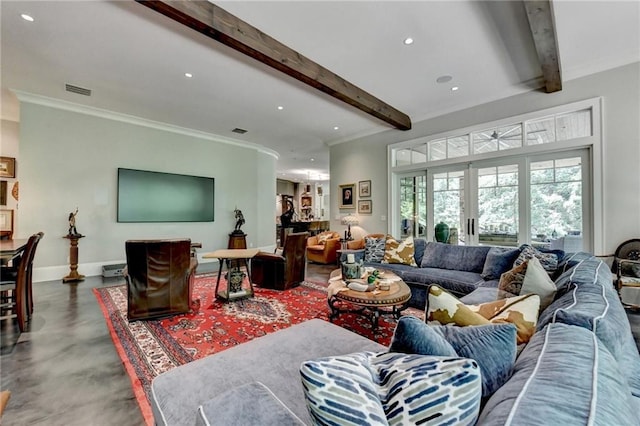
{"type": "Point", "coordinates": [65, 371]}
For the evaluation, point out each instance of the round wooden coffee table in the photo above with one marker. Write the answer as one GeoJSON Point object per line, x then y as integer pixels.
{"type": "Point", "coordinates": [372, 304]}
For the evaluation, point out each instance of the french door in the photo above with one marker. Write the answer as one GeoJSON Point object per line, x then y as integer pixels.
{"type": "Point", "coordinates": [542, 199]}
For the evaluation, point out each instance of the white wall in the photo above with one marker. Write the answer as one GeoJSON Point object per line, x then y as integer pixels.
{"type": "Point", "coordinates": [366, 158]}
{"type": "Point", "coordinates": [70, 159]}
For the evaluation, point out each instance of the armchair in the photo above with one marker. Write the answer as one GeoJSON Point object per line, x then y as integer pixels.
{"type": "Point", "coordinates": [160, 275]}
{"type": "Point", "coordinates": [323, 248]}
{"type": "Point", "coordinates": [281, 272]}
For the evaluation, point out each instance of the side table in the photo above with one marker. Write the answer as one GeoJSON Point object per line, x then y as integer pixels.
{"type": "Point", "coordinates": [235, 276]}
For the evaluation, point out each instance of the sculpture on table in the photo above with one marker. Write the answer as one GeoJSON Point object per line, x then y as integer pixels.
{"type": "Point", "coordinates": [239, 221]}
{"type": "Point", "coordinates": [72, 223]}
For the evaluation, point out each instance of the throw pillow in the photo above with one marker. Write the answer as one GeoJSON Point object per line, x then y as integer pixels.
{"type": "Point", "coordinates": [499, 260]}
{"type": "Point", "coordinates": [511, 281]}
{"type": "Point", "coordinates": [537, 281]}
{"type": "Point", "coordinates": [391, 388]}
{"type": "Point", "coordinates": [548, 260]}
{"type": "Point", "coordinates": [522, 311]}
{"type": "Point", "coordinates": [399, 251]}
{"type": "Point", "coordinates": [443, 308]}
{"type": "Point", "coordinates": [492, 346]}
{"type": "Point", "coordinates": [324, 237]}
{"type": "Point", "coordinates": [629, 269]}
{"type": "Point", "coordinates": [374, 249]}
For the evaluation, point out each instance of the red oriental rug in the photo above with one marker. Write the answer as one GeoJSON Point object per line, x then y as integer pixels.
{"type": "Point", "coordinates": [149, 348]}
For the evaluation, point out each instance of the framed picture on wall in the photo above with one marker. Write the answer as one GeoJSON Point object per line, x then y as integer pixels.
{"type": "Point", "coordinates": [365, 207]}
{"type": "Point", "coordinates": [364, 188]}
{"type": "Point", "coordinates": [3, 192]}
{"type": "Point", "coordinates": [7, 167]}
{"type": "Point", "coordinates": [347, 196]}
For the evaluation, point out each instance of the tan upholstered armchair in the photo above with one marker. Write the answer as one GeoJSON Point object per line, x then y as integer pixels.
{"type": "Point", "coordinates": [281, 271]}
{"type": "Point", "coordinates": [323, 248]}
{"type": "Point", "coordinates": [160, 275]}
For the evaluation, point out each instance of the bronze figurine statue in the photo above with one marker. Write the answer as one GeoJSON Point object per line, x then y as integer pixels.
{"type": "Point", "coordinates": [239, 221]}
{"type": "Point", "coordinates": [72, 223]}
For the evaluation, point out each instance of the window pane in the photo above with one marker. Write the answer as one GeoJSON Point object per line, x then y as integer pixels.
{"type": "Point", "coordinates": [403, 157]}
{"type": "Point", "coordinates": [448, 200]}
{"type": "Point", "coordinates": [509, 137]}
{"type": "Point", "coordinates": [541, 131]}
{"type": "Point", "coordinates": [413, 213]}
{"type": "Point", "coordinates": [484, 142]}
{"type": "Point", "coordinates": [556, 202]}
{"type": "Point", "coordinates": [458, 146]}
{"type": "Point", "coordinates": [574, 125]}
{"type": "Point", "coordinates": [419, 154]}
{"type": "Point", "coordinates": [498, 206]}
{"type": "Point", "coordinates": [437, 150]}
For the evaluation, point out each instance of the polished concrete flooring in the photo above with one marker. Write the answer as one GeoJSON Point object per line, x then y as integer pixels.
{"type": "Point", "coordinates": [65, 371]}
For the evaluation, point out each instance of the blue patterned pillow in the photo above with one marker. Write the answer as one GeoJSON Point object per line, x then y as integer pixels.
{"type": "Point", "coordinates": [374, 249]}
{"type": "Point", "coordinates": [390, 388]}
{"type": "Point", "coordinates": [549, 259]}
{"type": "Point", "coordinates": [493, 346]}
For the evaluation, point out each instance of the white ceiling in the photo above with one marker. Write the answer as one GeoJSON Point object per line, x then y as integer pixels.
{"type": "Point", "coordinates": [134, 60]}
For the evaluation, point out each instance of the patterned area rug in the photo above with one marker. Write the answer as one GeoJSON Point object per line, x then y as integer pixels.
{"type": "Point", "coordinates": [149, 348]}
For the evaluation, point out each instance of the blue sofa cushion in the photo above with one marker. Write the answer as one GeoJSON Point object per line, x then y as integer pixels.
{"type": "Point", "coordinates": [492, 346]}
{"type": "Point", "coordinates": [586, 298]}
{"type": "Point", "coordinates": [390, 388]}
{"type": "Point", "coordinates": [453, 257]}
{"type": "Point", "coordinates": [564, 376]}
{"type": "Point", "coordinates": [499, 260]}
{"type": "Point", "coordinates": [249, 404]}
{"type": "Point", "coordinates": [458, 282]}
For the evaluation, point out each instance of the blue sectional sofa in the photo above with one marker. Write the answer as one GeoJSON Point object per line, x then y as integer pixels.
{"type": "Point", "coordinates": [581, 367]}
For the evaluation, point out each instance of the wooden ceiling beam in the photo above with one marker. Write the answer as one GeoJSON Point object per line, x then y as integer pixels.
{"type": "Point", "coordinates": [220, 25]}
{"type": "Point", "coordinates": [545, 39]}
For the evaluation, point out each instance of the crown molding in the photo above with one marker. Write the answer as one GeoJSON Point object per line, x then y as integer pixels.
{"type": "Point", "coordinates": [138, 121]}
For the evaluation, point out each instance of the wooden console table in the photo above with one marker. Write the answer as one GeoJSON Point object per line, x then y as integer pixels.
{"type": "Point", "coordinates": [73, 259]}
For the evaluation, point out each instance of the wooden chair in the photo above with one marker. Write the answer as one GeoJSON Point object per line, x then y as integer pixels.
{"type": "Point", "coordinates": [160, 276]}
{"type": "Point", "coordinates": [16, 287]}
{"type": "Point", "coordinates": [281, 271]}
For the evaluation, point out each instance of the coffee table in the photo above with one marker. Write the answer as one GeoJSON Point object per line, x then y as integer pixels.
{"type": "Point", "coordinates": [371, 304]}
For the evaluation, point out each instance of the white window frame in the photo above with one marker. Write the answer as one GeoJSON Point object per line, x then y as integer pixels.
{"type": "Point", "coordinates": [595, 142]}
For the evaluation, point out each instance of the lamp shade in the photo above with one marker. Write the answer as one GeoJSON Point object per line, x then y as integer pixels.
{"type": "Point", "coordinates": [350, 220]}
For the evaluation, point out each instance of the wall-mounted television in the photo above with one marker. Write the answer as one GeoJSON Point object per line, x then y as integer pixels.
{"type": "Point", "coordinates": [147, 196]}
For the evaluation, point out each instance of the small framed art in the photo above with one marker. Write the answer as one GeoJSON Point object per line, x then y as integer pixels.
{"type": "Point", "coordinates": [347, 196]}
{"type": "Point", "coordinates": [364, 188]}
{"type": "Point", "coordinates": [7, 167]}
{"type": "Point", "coordinates": [3, 192]}
{"type": "Point", "coordinates": [365, 207]}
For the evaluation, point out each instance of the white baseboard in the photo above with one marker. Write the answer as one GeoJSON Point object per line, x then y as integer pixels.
{"type": "Point", "coordinates": [55, 273]}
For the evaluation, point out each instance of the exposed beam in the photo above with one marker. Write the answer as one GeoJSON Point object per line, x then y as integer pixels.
{"type": "Point", "coordinates": [218, 24]}
{"type": "Point", "coordinates": [545, 39]}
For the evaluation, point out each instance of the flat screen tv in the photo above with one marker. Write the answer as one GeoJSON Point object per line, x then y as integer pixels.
{"type": "Point", "coordinates": [146, 196]}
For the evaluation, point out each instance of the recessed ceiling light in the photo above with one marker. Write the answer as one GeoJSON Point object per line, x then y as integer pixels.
{"type": "Point", "coordinates": [280, 107]}
{"type": "Point", "coordinates": [444, 79]}
{"type": "Point", "coordinates": [454, 88]}
{"type": "Point", "coordinates": [336, 128]}
{"type": "Point", "coordinates": [27, 17]}
{"type": "Point", "coordinates": [408, 41]}
{"type": "Point", "coordinates": [312, 160]}
{"type": "Point", "coordinates": [188, 74]}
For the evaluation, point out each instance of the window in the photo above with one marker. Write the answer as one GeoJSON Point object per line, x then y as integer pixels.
{"type": "Point", "coordinates": [528, 179]}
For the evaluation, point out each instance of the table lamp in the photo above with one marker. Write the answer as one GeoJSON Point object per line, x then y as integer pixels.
{"type": "Point", "coordinates": [349, 220]}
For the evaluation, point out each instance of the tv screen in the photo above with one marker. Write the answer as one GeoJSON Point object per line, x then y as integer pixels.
{"type": "Point", "coordinates": [146, 196]}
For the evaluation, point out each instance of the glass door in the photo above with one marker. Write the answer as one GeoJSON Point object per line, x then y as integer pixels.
{"type": "Point", "coordinates": [413, 205]}
{"type": "Point", "coordinates": [498, 207]}
{"type": "Point", "coordinates": [449, 198]}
